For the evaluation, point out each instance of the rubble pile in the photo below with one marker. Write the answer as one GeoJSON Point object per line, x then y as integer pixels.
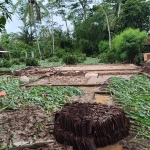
{"type": "Point", "coordinates": [90, 125]}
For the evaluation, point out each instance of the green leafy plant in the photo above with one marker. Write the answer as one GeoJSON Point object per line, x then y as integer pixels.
{"type": "Point", "coordinates": [133, 96]}
{"type": "Point", "coordinates": [22, 59]}
{"type": "Point", "coordinates": [5, 63]}
{"type": "Point", "coordinates": [70, 59]}
{"type": "Point", "coordinates": [15, 61]}
{"type": "Point", "coordinates": [60, 53]}
{"type": "Point", "coordinates": [31, 62]}
{"type": "Point", "coordinates": [54, 59]}
{"type": "Point", "coordinates": [48, 98]}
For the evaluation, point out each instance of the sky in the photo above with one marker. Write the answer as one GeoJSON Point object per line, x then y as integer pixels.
{"type": "Point", "coordinates": [12, 26]}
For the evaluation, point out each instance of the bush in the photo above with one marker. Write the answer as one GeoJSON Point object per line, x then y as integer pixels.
{"type": "Point", "coordinates": [54, 59]}
{"type": "Point", "coordinates": [60, 53]}
{"type": "Point", "coordinates": [22, 59]}
{"type": "Point", "coordinates": [15, 61]}
{"type": "Point", "coordinates": [103, 58]}
{"type": "Point", "coordinates": [31, 62]}
{"type": "Point", "coordinates": [103, 46]}
{"type": "Point", "coordinates": [70, 59]}
{"type": "Point", "coordinates": [128, 45]}
{"type": "Point", "coordinates": [81, 57]}
{"type": "Point", "coordinates": [5, 63]}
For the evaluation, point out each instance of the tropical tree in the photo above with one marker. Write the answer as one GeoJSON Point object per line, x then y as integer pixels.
{"type": "Point", "coordinates": [135, 14]}
{"type": "Point", "coordinates": [126, 47]}
{"type": "Point", "coordinates": [31, 12]}
{"type": "Point", "coordinates": [90, 32]}
{"type": "Point", "coordinates": [5, 13]}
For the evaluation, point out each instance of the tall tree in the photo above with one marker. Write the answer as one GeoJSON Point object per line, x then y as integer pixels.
{"type": "Point", "coordinates": [135, 14]}
{"type": "Point", "coordinates": [32, 13]}
{"type": "Point", "coordinates": [6, 14]}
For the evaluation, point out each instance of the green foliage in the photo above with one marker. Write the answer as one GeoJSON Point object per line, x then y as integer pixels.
{"type": "Point", "coordinates": [134, 15]}
{"type": "Point", "coordinates": [6, 14]}
{"type": "Point", "coordinates": [49, 98]}
{"type": "Point", "coordinates": [74, 58]}
{"type": "Point", "coordinates": [70, 59]}
{"type": "Point", "coordinates": [5, 63]}
{"type": "Point", "coordinates": [81, 57]}
{"type": "Point", "coordinates": [60, 53]}
{"type": "Point", "coordinates": [15, 61]}
{"type": "Point", "coordinates": [133, 96]}
{"type": "Point", "coordinates": [126, 47]}
{"type": "Point", "coordinates": [128, 44]}
{"type": "Point", "coordinates": [90, 60]}
{"type": "Point", "coordinates": [32, 62]}
{"type": "Point", "coordinates": [103, 58]}
{"type": "Point", "coordinates": [103, 46]}
{"type": "Point", "coordinates": [54, 59]}
{"type": "Point", "coordinates": [22, 59]}
{"type": "Point", "coordinates": [89, 32]}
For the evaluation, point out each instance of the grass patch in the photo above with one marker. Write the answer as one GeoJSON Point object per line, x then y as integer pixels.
{"type": "Point", "coordinates": [47, 63]}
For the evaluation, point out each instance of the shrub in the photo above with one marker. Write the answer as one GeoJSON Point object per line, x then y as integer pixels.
{"type": "Point", "coordinates": [15, 61]}
{"type": "Point", "coordinates": [60, 53]}
{"type": "Point", "coordinates": [128, 45]}
{"type": "Point", "coordinates": [22, 59]}
{"type": "Point", "coordinates": [81, 57]}
{"type": "Point", "coordinates": [54, 59]}
{"type": "Point", "coordinates": [31, 62]}
{"type": "Point", "coordinates": [5, 63]}
{"type": "Point", "coordinates": [103, 46]}
{"type": "Point", "coordinates": [70, 59]}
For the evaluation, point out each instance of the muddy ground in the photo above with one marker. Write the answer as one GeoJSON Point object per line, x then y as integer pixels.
{"type": "Point", "coordinates": [31, 125]}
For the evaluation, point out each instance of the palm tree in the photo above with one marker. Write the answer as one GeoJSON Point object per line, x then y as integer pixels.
{"type": "Point", "coordinates": [116, 5]}
{"type": "Point", "coordinates": [31, 13]}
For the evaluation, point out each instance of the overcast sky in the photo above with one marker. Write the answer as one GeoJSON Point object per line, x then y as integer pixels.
{"type": "Point", "coordinates": [12, 26]}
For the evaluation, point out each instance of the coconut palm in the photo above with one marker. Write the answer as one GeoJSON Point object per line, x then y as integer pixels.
{"type": "Point", "coordinates": [31, 13]}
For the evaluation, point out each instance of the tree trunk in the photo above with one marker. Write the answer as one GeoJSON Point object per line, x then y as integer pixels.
{"type": "Point", "coordinates": [108, 27]}
{"type": "Point", "coordinates": [53, 47]}
{"type": "Point", "coordinates": [34, 23]}
{"type": "Point", "coordinates": [119, 7]}
{"type": "Point", "coordinates": [83, 4]}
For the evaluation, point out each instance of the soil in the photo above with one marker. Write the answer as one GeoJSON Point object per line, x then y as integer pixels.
{"type": "Point", "coordinates": [33, 127]}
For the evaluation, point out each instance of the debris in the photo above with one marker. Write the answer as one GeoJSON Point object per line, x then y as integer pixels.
{"type": "Point", "coordinates": [24, 79]}
{"type": "Point", "coordinates": [2, 94]}
{"type": "Point", "coordinates": [90, 125]}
